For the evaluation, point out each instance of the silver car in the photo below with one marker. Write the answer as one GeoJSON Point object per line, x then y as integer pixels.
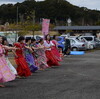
{"type": "Point", "coordinates": [77, 45]}
{"type": "Point", "coordinates": [89, 40]}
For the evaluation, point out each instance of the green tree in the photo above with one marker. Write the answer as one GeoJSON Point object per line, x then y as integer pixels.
{"type": "Point", "coordinates": [58, 11]}
{"type": "Point", "coordinates": [24, 29]}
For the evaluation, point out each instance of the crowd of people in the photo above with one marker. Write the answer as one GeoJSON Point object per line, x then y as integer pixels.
{"type": "Point", "coordinates": [30, 56]}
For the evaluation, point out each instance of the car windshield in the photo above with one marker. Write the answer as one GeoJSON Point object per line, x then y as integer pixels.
{"type": "Point", "coordinates": [88, 38]}
{"type": "Point", "coordinates": [77, 39]}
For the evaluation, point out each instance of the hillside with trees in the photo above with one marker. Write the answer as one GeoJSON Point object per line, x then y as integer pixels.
{"type": "Point", "coordinates": [56, 10]}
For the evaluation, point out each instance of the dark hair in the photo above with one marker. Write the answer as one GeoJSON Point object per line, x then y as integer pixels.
{"type": "Point", "coordinates": [41, 40]}
{"type": "Point", "coordinates": [3, 39]}
{"type": "Point", "coordinates": [21, 38]}
{"type": "Point", "coordinates": [32, 40]}
{"type": "Point", "coordinates": [46, 37]}
{"type": "Point", "coordinates": [54, 36]}
{"type": "Point", "coordinates": [27, 39]}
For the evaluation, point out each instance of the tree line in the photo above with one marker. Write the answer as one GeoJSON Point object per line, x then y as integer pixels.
{"type": "Point", "coordinates": [58, 11]}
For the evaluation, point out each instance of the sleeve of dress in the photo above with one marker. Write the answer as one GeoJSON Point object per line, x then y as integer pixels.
{"type": "Point", "coordinates": [54, 42]}
{"type": "Point", "coordinates": [44, 44]}
{"type": "Point", "coordinates": [51, 43]}
{"type": "Point", "coordinates": [16, 45]}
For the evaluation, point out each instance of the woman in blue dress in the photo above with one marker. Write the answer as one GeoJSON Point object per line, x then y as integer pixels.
{"type": "Point", "coordinates": [28, 55]}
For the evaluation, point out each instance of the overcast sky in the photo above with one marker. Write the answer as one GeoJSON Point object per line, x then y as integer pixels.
{"type": "Point", "coordinates": [91, 4]}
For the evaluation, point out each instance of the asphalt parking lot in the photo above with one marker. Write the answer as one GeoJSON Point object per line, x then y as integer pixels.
{"type": "Point", "coordinates": [78, 77]}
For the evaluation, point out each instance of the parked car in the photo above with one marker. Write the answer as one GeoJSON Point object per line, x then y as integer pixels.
{"type": "Point", "coordinates": [90, 40]}
{"type": "Point", "coordinates": [61, 41]}
{"type": "Point", "coordinates": [97, 43]}
{"type": "Point", "coordinates": [77, 45]}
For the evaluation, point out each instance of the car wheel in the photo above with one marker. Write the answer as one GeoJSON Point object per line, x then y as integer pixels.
{"type": "Point", "coordinates": [74, 49]}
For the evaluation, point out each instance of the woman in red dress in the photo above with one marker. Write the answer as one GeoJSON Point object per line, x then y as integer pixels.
{"type": "Point", "coordinates": [22, 67]}
{"type": "Point", "coordinates": [55, 48]}
{"type": "Point", "coordinates": [51, 59]}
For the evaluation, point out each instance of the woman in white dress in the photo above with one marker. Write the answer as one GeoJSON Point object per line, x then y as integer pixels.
{"type": "Point", "coordinates": [51, 59]}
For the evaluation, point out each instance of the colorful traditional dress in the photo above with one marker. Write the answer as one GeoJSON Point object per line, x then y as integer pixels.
{"type": "Point", "coordinates": [40, 56]}
{"type": "Point", "coordinates": [55, 50]}
{"type": "Point", "coordinates": [30, 60]}
{"type": "Point", "coordinates": [22, 66]}
{"type": "Point", "coordinates": [5, 73]}
{"type": "Point", "coordinates": [13, 70]}
{"type": "Point", "coordinates": [51, 59]}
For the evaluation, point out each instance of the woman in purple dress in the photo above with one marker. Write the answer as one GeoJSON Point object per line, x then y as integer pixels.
{"type": "Point", "coordinates": [29, 57]}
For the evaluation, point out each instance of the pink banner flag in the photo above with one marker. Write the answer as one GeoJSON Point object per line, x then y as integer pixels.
{"type": "Point", "coordinates": [45, 26]}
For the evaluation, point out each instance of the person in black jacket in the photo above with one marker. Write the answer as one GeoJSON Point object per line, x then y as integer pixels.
{"type": "Point", "coordinates": [67, 47]}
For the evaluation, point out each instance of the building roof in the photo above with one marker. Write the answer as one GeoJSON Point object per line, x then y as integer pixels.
{"type": "Point", "coordinates": [77, 28]}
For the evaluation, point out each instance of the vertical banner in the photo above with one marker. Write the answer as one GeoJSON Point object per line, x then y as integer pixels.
{"type": "Point", "coordinates": [45, 26]}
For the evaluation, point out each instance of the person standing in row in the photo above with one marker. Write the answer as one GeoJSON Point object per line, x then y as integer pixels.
{"type": "Point", "coordinates": [28, 55]}
{"type": "Point", "coordinates": [5, 73]}
{"type": "Point", "coordinates": [22, 66]}
{"type": "Point", "coordinates": [34, 47]}
{"type": "Point", "coordinates": [67, 48]}
{"type": "Point", "coordinates": [5, 44]}
{"type": "Point", "coordinates": [40, 55]}
{"type": "Point", "coordinates": [51, 59]}
{"type": "Point", "coordinates": [55, 48]}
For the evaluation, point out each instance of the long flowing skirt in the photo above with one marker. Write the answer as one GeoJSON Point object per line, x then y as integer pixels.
{"type": "Point", "coordinates": [42, 61]}
{"type": "Point", "coordinates": [13, 70]}
{"type": "Point", "coordinates": [22, 67]}
{"type": "Point", "coordinates": [56, 53]}
{"type": "Point", "coordinates": [31, 62]}
{"type": "Point", "coordinates": [51, 60]}
{"type": "Point", "coordinates": [5, 73]}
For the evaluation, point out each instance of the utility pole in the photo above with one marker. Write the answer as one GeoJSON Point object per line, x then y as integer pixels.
{"type": "Point", "coordinates": [34, 17]}
{"type": "Point", "coordinates": [17, 24]}
{"type": "Point", "coordinates": [17, 15]}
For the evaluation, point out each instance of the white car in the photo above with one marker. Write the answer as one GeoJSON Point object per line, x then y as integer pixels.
{"type": "Point", "coordinates": [90, 41]}
{"type": "Point", "coordinates": [76, 44]}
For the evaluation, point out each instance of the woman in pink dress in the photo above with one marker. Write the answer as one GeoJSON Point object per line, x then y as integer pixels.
{"type": "Point", "coordinates": [5, 73]}
{"type": "Point", "coordinates": [51, 59]}
{"type": "Point", "coordinates": [55, 48]}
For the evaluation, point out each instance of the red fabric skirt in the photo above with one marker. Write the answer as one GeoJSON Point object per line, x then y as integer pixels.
{"type": "Point", "coordinates": [56, 53]}
{"type": "Point", "coordinates": [22, 67]}
{"type": "Point", "coordinates": [51, 59]}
